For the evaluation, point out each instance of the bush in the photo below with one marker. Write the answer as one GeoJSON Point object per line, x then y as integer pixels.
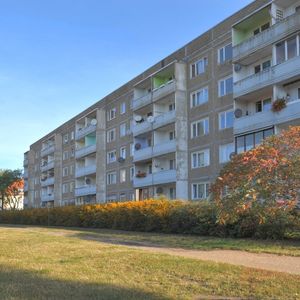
{"type": "Point", "coordinates": [164, 216]}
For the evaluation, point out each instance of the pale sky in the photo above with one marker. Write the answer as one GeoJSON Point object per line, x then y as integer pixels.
{"type": "Point", "coordinates": [58, 57]}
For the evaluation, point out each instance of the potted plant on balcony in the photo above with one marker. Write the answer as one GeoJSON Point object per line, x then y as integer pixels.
{"type": "Point", "coordinates": [278, 105]}
{"type": "Point", "coordinates": [141, 174]}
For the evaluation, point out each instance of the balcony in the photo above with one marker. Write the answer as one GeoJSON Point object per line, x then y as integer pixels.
{"type": "Point", "coordinates": [276, 74]}
{"type": "Point", "coordinates": [47, 197]}
{"type": "Point", "coordinates": [266, 38]}
{"type": "Point", "coordinates": [48, 181]}
{"type": "Point", "coordinates": [83, 171]}
{"type": "Point", "coordinates": [157, 178]}
{"type": "Point", "coordinates": [164, 119]}
{"type": "Point", "coordinates": [142, 101]}
{"type": "Point", "coordinates": [141, 128]}
{"type": "Point", "coordinates": [85, 190]}
{"type": "Point", "coordinates": [48, 150]}
{"type": "Point", "coordinates": [164, 148]}
{"type": "Point", "coordinates": [84, 151]}
{"type": "Point", "coordinates": [268, 118]}
{"type": "Point", "coordinates": [47, 166]}
{"type": "Point", "coordinates": [142, 154]}
{"type": "Point", "coordinates": [163, 90]}
{"type": "Point", "coordinates": [85, 131]}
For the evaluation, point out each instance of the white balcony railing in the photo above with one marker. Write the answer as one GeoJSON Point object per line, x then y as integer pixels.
{"type": "Point", "coordinates": [142, 154]}
{"type": "Point", "coordinates": [47, 197]}
{"type": "Point", "coordinates": [164, 148]}
{"type": "Point", "coordinates": [141, 128]}
{"type": "Point", "coordinates": [48, 150]}
{"type": "Point", "coordinates": [47, 166]}
{"type": "Point", "coordinates": [85, 131]}
{"type": "Point", "coordinates": [84, 151]}
{"type": "Point", "coordinates": [85, 190]}
{"type": "Point", "coordinates": [267, 37]}
{"type": "Point", "coordinates": [157, 178]}
{"type": "Point", "coordinates": [83, 171]}
{"type": "Point", "coordinates": [267, 118]}
{"type": "Point", "coordinates": [276, 74]}
{"type": "Point", "coordinates": [141, 101]}
{"type": "Point", "coordinates": [164, 90]}
{"type": "Point", "coordinates": [48, 181]}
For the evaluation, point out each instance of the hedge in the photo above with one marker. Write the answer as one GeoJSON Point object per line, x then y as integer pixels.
{"type": "Point", "coordinates": [156, 216]}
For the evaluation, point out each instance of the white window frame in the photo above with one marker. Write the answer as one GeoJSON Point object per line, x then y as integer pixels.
{"type": "Point", "coordinates": [111, 178]}
{"type": "Point", "coordinates": [205, 126]}
{"type": "Point", "coordinates": [110, 155]}
{"type": "Point", "coordinates": [122, 108]}
{"type": "Point", "coordinates": [123, 152]}
{"type": "Point", "coordinates": [206, 159]}
{"type": "Point", "coordinates": [226, 121]}
{"type": "Point", "coordinates": [206, 190]}
{"type": "Point", "coordinates": [65, 171]}
{"type": "Point", "coordinates": [123, 176]}
{"type": "Point", "coordinates": [225, 89]}
{"type": "Point", "coordinates": [228, 152]}
{"type": "Point", "coordinates": [132, 173]}
{"type": "Point", "coordinates": [194, 66]}
{"type": "Point", "coordinates": [123, 129]}
{"type": "Point", "coordinates": [224, 60]}
{"type": "Point", "coordinates": [194, 98]}
{"type": "Point", "coordinates": [111, 114]}
{"type": "Point", "coordinates": [109, 137]}
{"type": "Point", "coordinates": [65, 155]}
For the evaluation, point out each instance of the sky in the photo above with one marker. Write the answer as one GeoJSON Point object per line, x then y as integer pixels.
{"type": "Point", "coordinates": [58, 57]}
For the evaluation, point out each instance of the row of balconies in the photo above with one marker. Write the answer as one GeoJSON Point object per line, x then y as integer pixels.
{"type": "Point", "coordinates": [159, 121]}
{"type": "Point", "coordinates": [161, 177]}
{"type": "Point", "coordinates": [154, 95]}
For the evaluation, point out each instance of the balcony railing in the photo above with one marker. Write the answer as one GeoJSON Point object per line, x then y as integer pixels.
{"type": "Point", "coordinates": [276, 74]}
{"type": "Point", "coordinates": [48, 181]}
{"type": "Point", "coordinates": [83, 171]}
{"type": "Point", "coordinates": [141, 128]}
{"type": "Point", "coordinates": [84, 151]}
{"type": "Point", "coordinates": [47, 166]}
{"type": "Point", "coordinates": [85, 190]}
{"type": "Point", "coordinates": [141, 101]}
{"type": "Point", "coordinates": [48, 150]}
{"type": "Point", "coordinates": [85, 131]}
{"type": "Point", "coordinates": [142, 154]}
{"type": "Point", "coordinates": [157, 178]}
{"type": "Point", "coordinates": [267, 37]}
{"type": "Point", "coordinates": [47, 197]}
{"type": "Point", "coordinates": [267, 118]}
{"type": "Point", "coordinates": [164, 90]}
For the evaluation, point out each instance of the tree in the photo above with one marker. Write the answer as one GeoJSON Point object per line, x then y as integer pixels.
{"type": "Point", "coordinates": [9, 181]}
{"type": "Point", "coordinates": [265, 177]}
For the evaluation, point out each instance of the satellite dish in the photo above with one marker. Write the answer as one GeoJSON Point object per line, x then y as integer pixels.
{"type": "Point", "coordinates": [232, 155]}
{"type": "Point", "coordinates": [88, 181]}
{"type": "Point", "coordinates": [93, 122]}
{"type": "Point", "coordinates": [137, 146]}
{"type": "Point", "coordinates": [159, 190]}
{"type": "Point", "coordinates": [238, 113]}
{"type": "Point", "coordinates": [121, 159]}
{"type": "Point", "coordinates": [138, 119]}
{"type": "Point", "coordinates": [150, 119]}
{"type": "Point", "coordinates": [237, 67]}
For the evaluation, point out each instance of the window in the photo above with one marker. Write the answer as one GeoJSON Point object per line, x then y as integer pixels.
{"type": "Point", "coordinates": [287, 49]}
{"type": "Point", "coordinates": [172, 135]}
{"type": "Point", "coordinates": [123, 152]}
{"type": "Point", "coordinates": [200, 159]}
{"type": "Point", "coordinates": [225, 86]}
{"type": "Point", "coordinates": [249, 141]}
{"type": "Point", "coordinates": [111, 114]}
{"type": "Point", "coordinates": [298, 93]}
{"type": "Point", "coordinates": [123, 108]}
{"type": "Point", "coordinates": [123, 197]}
{"type": "Point", "coordinates": [224, 152]}
{"type": "Point", "coordinates": [131, 149]}
{"type": "Point", "coordinates": [199, 67]}
{"type": "Point", "coordinates": [71, 169]}
{"type": "Point", "coordinates": [72, 152]}
{"type": "Point", "coordinates": [150, 169]}
{"type": "Point", "coordinates": [172, 193]}
{"type": "Point", "coordinates": [172, 107]}
{"type": "Point", "coordinates": [111, 156]}
{"type": "Point", "coordinates": [122, 129]}
{"type": "Point", "coordinates": [122, 176]}
{"type": "Point", "coordinates": [65, 155]}
{"type": "Point", "coordinates": [66, 138]}
{"type": "Point", "coordinates": [199, 97]}
{"type": "Point", "coordinates": [131, 173]}
{"type": "Point", "coordinates": [72, 135]}
{"type": "Point", "coordinates": [225, 54]}
{"type": "Point", "coordinates": [261, 67]}
{"type": "Point", "coordinates": [263, 105]}
{"type": "Point", "coordinates": [172, 164]}
{"type": "Point", "coordinates": [65, 171]}
{"type": "Point", "coordinates": [112, 178]}
{"type": "Point", "coordinates": [65, 188]}
{"type": "Point", "coordinates": [200, 191]}
{"type": "Point", "coordinates": [200, 128]}
{"type": "Point", "coordinates": [261, 28]}
{"type": "Point", "coordinates": [226, 119]}
{"type": "Point", "coordinates": [71, 187]}
{"type": "Point", "coordinates": [111, 135]}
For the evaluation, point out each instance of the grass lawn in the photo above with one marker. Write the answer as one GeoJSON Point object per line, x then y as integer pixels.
{"type": "Point", "coordinates": [41, 263]}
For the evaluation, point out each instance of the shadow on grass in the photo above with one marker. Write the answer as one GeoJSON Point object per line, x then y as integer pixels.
{"type": "Point", "coordinates": [27, 285]}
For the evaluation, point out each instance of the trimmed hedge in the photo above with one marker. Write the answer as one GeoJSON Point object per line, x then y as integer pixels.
{"type": "Point", "coordinates": [157, 216]}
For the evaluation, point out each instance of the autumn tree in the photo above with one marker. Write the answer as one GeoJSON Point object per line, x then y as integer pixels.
{"type": "Point", "coordinates": [265, 177]}
{"type": "Point", "coordinates": [11, 184]}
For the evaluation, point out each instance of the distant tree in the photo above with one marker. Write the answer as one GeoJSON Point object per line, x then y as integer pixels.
{"type": "Point", "coordinates": [265, 177]}
{"type": "Point", "coordinates": [11, 184]}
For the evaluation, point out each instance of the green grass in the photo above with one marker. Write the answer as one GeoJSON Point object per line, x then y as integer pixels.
{"type": "Point", "coordinates": [41, 263]}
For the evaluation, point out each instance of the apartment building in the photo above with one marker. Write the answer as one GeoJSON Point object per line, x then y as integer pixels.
{"type": "Point", "coordinates": [169, 130]}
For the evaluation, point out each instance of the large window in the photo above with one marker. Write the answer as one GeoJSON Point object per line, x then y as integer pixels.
{"type": "Point", "coordinates": [111, 156]}
{"type": "Point", "coordinates": [249, 141]}
{"type": "Point", "coordinates": [225, 86]}
{"type": "Point", "coordinates": [112, 178]}
{"type": "Point", "coordinates": [226, 119]}
{"type": "Point", "coordinates": [111, 114]}
{"type": "Point", "coordinates": [224, 152]}
{"type": "Point", "coordinates": [200, 191]}
{"type": "Point", "coordinates": [225, 54]}
{"type": "Point", "coordinates": [287, 49]}
{"type": "Point", "coordinates": [122, 129]}
{"type": "Point", "coordinates": [200, 128]}
{"type": "Point", "coordinates": [263, 105]}
{"type": "Point", "coordinates": [199, 97]}
{"type": "Point", "coordinates": [200, 159]}
{"type": "Point", "coordinates": [199, 67]}
{"type": "Point", "coordinates": [122, 176]}
{"type": "Point", "coordinates": [111, 135]}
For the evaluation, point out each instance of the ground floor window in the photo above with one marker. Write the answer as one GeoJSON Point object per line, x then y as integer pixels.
{"type": "Point", "coordinates": [200, 191]}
